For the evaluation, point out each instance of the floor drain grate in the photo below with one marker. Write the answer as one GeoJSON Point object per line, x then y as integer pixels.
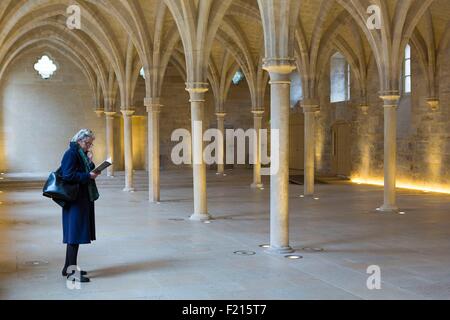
{"type": "Point", "coordinates": [293, 257]}
{"type": "Point", "coordinates": [310, 249]}
{"type": "Point", "coordinates": [35, 263]}
{"type": "Point", "coordinates": [245, 253]}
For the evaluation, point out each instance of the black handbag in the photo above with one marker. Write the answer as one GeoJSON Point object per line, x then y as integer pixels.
{"type": "Point", "coordinates": [58, 189]}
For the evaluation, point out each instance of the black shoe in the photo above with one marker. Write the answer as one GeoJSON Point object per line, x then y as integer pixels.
{"type": "Point", "coordinates": [79, 279]}
{"type": "Point", "coordinates": [65, 274]}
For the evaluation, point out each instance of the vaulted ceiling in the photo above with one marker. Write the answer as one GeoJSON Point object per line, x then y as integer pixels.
{"type": "Point", "coordinates": [118, 37]}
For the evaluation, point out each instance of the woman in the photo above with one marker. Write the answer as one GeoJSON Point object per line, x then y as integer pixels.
{"type": "Point", "coordinates": [78, 216]}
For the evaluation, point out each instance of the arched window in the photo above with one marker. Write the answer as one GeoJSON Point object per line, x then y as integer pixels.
{"type": "Point", "coordinates": [296, 89]}
{"type": "Point", "coordinates": [46, 67]}
{"type": "Point", "coordinates": [238, 77]}
{"type": "Point", "coordinates": [340, 77]}
{"type": "Point", "coordinates": [142, 73]}
{"type": "Point", "coordinates": [407, 70]}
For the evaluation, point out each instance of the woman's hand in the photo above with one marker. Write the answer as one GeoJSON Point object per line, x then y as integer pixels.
{"type": "Point", "coordinates": [90, 155]}
{"type": "Point", "coordinates": [94, 175]}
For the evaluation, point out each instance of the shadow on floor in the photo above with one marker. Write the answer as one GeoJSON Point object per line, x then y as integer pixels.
{"type": "Point", "coordinates": [338, 245]}
{"type": "Point", "coordinates": [129, 268]}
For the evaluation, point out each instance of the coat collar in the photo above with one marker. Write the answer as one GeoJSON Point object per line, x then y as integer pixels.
{"type": "Point", "coordinates": [74, 146]}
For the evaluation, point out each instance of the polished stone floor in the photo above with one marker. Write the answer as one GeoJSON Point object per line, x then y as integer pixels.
{"type": "Point", "coordinates": [152, 251]}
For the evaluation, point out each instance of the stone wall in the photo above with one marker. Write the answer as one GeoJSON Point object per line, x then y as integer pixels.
{"type": "Point", "coordinates": [38, 117]}
{"type": "Point", "coordinates": [423, 136]}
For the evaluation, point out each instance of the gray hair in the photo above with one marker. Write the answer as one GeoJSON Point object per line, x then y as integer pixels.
{"type": "Point", "coordinates": [83, 134]}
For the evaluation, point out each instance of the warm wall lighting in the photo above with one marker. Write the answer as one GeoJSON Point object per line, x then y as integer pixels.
{"type": "Point", "coordinates": [404, 185]}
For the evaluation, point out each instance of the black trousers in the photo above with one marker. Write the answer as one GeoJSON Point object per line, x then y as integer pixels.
{"type": "Point", "coordinates": [71, 256]}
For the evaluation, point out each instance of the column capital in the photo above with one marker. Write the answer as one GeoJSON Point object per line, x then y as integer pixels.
{"type": "Point", "coordinates": [279, 65]}
{"type": "Point", "coordinates": [127, 112]}
{"type": "Point", "coordinates": [196, 87]}
{"type": "Point", "coordinates": [279, 78]}
{"type": "Point", "coordinates": [152, 104]}
{"type": "Point", "coordinates": [258, 113]}
{"type": "Point", "coordinates": [221, 114]}
{"type": "Point", "coordinates": [433, 103]}
{"type": "Point", "coordinates": [98, 112]}
{"type": "Point", "coordinates": [150, 101]}
{"type": "Point", "coordinates": [196, 96]}
{"type": "Point", "coordinates": [154, 108]}
{"type": "Point", "coordinates": [310, 108]}
{"type": "Point", "coordinates": [364, 108]}
{"type": "Point", "coordinates": [390, 101]}
{"type": "Point", "coordinates": [110, 113]}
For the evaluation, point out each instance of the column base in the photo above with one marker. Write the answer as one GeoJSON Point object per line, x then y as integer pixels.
{"type": "Point", "coordinates": [111, 176]}
{"type": "Point", "coordinates": [200, 217]}
{"type": "Point", "coordinates": [154, 198]}
{"type": "Point", "coordinates": [155, 201]}
{"type": "Point", "coordinates": [256, 185]}
{"type": "Point", "coordinates": [309, 194]}
{"type": "Point", "coordinates": [388, 209]}
{"type": "Point", "coordinates": [127, 189]}
{"type": "Point", "coordinates": [280, 250]}
{"type": "Point", "coordinates": [220, 174]}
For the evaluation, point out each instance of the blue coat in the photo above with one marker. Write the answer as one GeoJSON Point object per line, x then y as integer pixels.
{"type": "Point", "coordinates": [78, 217]}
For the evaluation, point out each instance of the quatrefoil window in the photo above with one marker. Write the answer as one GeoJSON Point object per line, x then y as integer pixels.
{"type": "Point", "coordinates": [46, 67]}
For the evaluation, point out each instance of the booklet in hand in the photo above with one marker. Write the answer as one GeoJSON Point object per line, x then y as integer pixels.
{"type": "Point", "coordinates": [102, 166]}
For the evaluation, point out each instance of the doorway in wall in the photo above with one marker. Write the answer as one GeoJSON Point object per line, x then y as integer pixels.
{"type": "Point", "coordinates": [296, 141]}
{"type": "Point", "coordinates": [340, 148]}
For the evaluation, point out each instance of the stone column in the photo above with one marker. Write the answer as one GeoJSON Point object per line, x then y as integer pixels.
{"type": "Point", "coordinates": [221, 146]}
{"type": "Point", "coordinates": [390, 152]}
{"type": "Point", "coordinates": [110, 141]}
{"type": "Point", "coordinates": [153, 110]}
{"type": "Point", "coordinates": [310, 143]}
{"type": "Point", "coordinates": [257, 120]}
{"type": "Point", "coordinates": [279, 179]}
{"type": "Point", "coordinates": [128, 146]}
{"type": "Point", "coordinates": [197, 100]}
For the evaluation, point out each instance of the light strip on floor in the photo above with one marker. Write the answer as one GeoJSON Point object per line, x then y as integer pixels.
{"type": "Point", "coordinates": [403, 185]}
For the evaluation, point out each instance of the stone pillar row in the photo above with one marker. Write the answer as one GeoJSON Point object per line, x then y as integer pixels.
{"type": "Point", "coordinates": [110, 141]}
{"type": "Point", "coordinates": [257, 121]}
{"type": "Point", "coordinates": [153, 110]}
{"type": "Point", "coordinates": [197, 99]}
{"type": "Point", "coordinates": [221, 146]}
{"type": "Point", "coordinates": [128, 149]}
{"type": "Point", "coordinates": [390, 151]}
{"type": "Point", "coordinates": [309, 111]}
{"type": "Point", "coordinates": [279, 179]}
